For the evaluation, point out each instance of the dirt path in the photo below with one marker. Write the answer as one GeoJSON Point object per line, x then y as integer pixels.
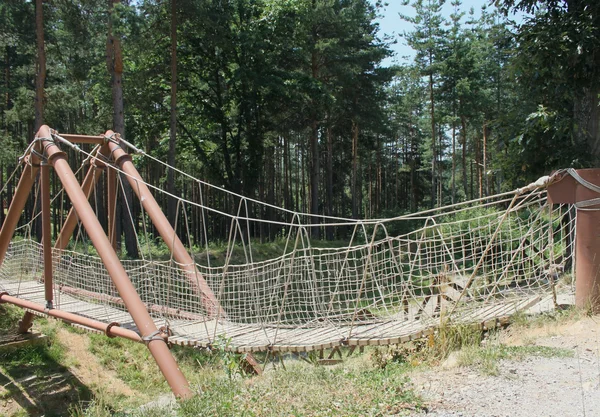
{"type": "Point", "coordinates": [88, 368]}
{"type": "Point", "coordinates": [534, 386]}
{"type": "Point", "coordinates": [51, 389]}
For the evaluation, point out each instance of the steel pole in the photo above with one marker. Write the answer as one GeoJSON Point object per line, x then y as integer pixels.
{"type": "Point", "coordinates": [16, 206]}
{"type": "Point", "coordinates": [571, 190]}
{"type": "Point", "coordinates": [25, 324]}
{"type": "Point", "coordinates": [157, 346]}
{"type": "Point", "coordinates": [89, 182]}
{"type": "Point", "coordinates": [587, 245]}
{"type": "Point", "coordinates": [166, 231]}
{"type": "Point", "coordinates": [83, 139]}
{"type": "Point", "coordinates": [46, 227]}
{"type": "Point", "coordinates": [111, 205]}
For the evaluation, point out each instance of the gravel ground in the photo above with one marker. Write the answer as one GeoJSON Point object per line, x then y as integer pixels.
{"type": "Point", "coordinates": [534, 386]}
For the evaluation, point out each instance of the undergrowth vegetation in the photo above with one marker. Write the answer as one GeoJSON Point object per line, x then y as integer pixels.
{"type": "Point", "coordinates": [373, 383]}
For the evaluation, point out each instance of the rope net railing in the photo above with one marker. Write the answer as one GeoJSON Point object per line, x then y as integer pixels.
{"type": "Point", "coordinates": [381, 280]}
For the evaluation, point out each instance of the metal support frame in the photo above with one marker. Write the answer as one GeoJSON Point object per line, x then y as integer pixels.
{"type": "Point", "coordinates": [150, 335]}
{"type": "Point", "coordinates": [25, 323]}
{"type": "Point", "coordinates": [568, 190]}
{"type": "Point", "coordinates": [46, 230]}
{"type": "Point", "coordinates": [92, 177]}
{"type": "Point", "coordinates": [17, 205]}
{"type": "Point", "coordinates": [164, 228]}
{"type": "Point", "coordinates": [111, 206]}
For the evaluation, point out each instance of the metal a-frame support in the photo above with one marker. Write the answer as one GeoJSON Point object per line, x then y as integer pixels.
{"type": "Point", "coordinates": [51, 155]}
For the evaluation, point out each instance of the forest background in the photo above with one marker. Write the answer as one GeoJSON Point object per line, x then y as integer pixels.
{"type": "Point", "coordinates": [295, 102]}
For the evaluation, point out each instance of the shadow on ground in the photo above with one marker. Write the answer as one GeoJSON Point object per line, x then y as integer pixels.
{"type": "Point", "coordinates": [33, 383]}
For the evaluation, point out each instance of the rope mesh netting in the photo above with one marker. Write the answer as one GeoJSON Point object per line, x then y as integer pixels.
{"type": "Point", "coordinates": [382, 279]}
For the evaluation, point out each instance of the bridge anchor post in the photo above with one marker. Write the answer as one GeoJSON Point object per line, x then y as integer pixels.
{"type": "Point", "coordinates": [582, 188]}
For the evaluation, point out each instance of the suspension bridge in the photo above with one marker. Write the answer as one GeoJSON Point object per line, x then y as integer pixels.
{"type": "Point", "coordinates": [393, 280]}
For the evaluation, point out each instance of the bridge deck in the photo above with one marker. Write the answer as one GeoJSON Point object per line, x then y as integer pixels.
{"type": "Point", "coordinates": [243, 337]}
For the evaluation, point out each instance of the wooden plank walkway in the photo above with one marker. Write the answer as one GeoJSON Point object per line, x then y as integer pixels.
{"type": "Point", "coordinates": [243, 337]}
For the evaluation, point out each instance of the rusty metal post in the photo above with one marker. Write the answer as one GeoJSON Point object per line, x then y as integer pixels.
{"type": "Point", "coordinates": [46, 230]}
{"type": "Point", "coordinates": [16, 207]}
{"type": "Point", "coordinates": [111, 205]}
{"type": "Point", "coordinates": [166, 231]}
{"type": "Point", "coordinates": [83, 139]}
{"type": "Point", "coordinates": [569, 190]}
{"type": "Point", "coordinates": [150, 334]}
{"type": "Point", "coordinates": [89, 182]}
{"type": "Point", "coordinates": [111, 329]}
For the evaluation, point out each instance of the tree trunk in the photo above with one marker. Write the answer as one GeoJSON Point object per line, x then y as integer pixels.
{"type": "Point", "coordinates": [433, 141]}
{"type": "Point", "coordinates": [587, 115]}
{"type": "Point", "coordinates": [463, 121]}
{"type": "Point", "coordinates": [453, 162]}
{"type": "Point", "coordinates": [378, 178]}
{"type": "Point", "coordinates": [171, 202]}
{"type": "Point", "coordinates": [484, 157]}
{"type": "Point", "coordinates": [297, 181]}
{"type": "Point", "coordinates": [314, 150]}
{"type": "Point", "coordinates": [114, 60]}
{"type": "Point", "coordinates": [40, 80]}
{"type": "Point", "coordinates": [329, 180]}
{"type": "Point", "coordinates": [41, 66]}
{"type": "Point", "coordinates": [314, 178]}
{"type": "Point", "coordinates": [7, 99]}
{"type": "Point", "coordinates": [414, 201]}
{"type": "Point", "coordinates": [478, 166]}
{"type": "Point", "coordinates": [355, 191]}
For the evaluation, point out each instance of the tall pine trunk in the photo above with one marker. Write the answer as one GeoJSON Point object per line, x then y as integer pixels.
{"type": "Point", "coordinates": [463, 122]}
{"type": "Point", "coordinates": [354, 185]}
{"type": "Point", "coordinates": [486, 187]}
{"type": "Point", "coordinates": [314, 153]}
{"type": "Point", "coordinates": [453, 161]}
{"type": "Point", "coordinates": [41, 66]}
{"type": "Point", "coordinates": [171, 202]}
{"type": "Point", "coordinates": [433, 141]}
{"type": "Point", "coordinates": [114, 60]}
{"type": "Point", "coordinates": [329, 180]}
{"type": "Point", "coordinates": [40, 80]}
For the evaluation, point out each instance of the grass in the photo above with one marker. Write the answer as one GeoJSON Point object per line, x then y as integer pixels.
{"type": "Point", "coordinates": [37, 377]}
{"type": "Point", "coordinates": [131, 362]}
{"type": "Point", "coordinates": [520, 321]}
{"type": "Point", "coordinates": [371, 384]}
{"type": "Point", "coordinates": [472, 347]}
{"type": "Point", "coordinates": [487, 358]}
{"type": "Point", "coordinates": [354, 388]}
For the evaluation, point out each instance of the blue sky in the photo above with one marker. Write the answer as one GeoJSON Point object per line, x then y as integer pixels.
{"type": "Point", "coordinates": [391, 24]}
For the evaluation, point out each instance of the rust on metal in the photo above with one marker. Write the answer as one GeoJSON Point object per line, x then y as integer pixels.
{"type": "Point", "coordinates": [16, 207]}
{"type": "Point", "coordinates": [158, 348]}
{"type": "Point", "coordinates": [587, 247]}
{"type": "Point", "coordinates": [84, 139]}
{"type": "Point", "coordinates": [155, 308]}
{"type": "Point", "coordinates": [90, 180]}
{"type": "Point", "coordinates": [70, 317]}
{"type": "Point", "coordinates": [163, 226]}
{"type": "Point", "coordinates": [46, 230]}
{"type": "Point", "coordinates": [111, 177]}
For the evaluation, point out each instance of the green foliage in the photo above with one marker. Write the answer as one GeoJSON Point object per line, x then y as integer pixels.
{"type": "Point", "coordinates": [131, 361]}
{"type": "Point", "coordinates": [9, 317]}
{"type": "Point", "coordinates": [301, 389]}
{"type": "Point", "coordinates": [230, 361]}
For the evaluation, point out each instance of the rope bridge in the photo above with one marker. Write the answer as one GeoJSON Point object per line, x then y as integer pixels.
{"type": "Point", "coordinates": [390, 281]}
